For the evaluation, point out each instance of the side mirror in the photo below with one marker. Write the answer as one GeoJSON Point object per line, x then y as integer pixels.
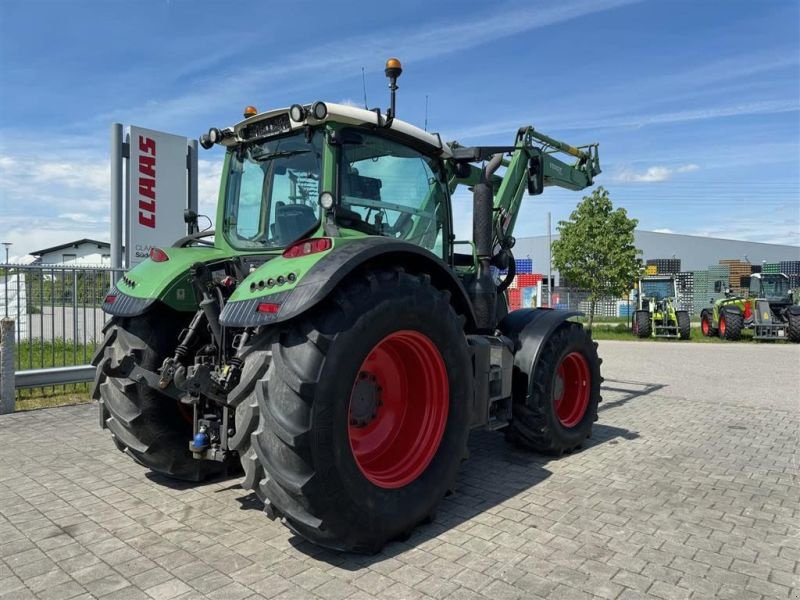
{"type": "Point", "coordinates": [536, 174]}
{"type": "Point", "coordinates": [190, 218]}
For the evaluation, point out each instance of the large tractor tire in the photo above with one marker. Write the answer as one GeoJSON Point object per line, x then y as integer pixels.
{"type": "Point", "coordinates": [364, 413]}
{"type": "Point", "coordinates": [642, 324]}
{"type": "Point", "coordinates": [730, 325]}
{"type": "Point", "coordinates": [154, 429]}
{"type": "Point", "coordinates": [554, 410]}
{"type": "Point", "coordinates": [793, 327]}
{"type": "Point", "coordinates": [684, 324]}
{"type": "Point", "coordinates": [707, 324]}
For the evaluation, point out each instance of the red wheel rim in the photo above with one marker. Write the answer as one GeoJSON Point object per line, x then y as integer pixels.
{"type": "Point", "coordinates": [704, 326]}
{"type": "Point", "coordinates": [722, 326]}
{"type": "Point", "coordinates": [572, 387]}
{"type": "Point", "coordinates": [398, 409]}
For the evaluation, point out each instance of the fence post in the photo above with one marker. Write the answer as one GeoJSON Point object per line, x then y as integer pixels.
{"type": "Point", "coordinates": [7, 394]}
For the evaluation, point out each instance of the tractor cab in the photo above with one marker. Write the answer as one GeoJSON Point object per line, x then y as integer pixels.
{"type": "Point", "coordinates": [772, 287]}
{"type": "Point", "coordinates": [330, 170]}
{"type": "Point", "coordinates": [656, 289]}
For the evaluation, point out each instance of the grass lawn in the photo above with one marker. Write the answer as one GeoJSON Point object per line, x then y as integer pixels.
{"type": "Point", "coordinates": [39, 354]}
{"type": "Point", "coordinates": [622, 332]}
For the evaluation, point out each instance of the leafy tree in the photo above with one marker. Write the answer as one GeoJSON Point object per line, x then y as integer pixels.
{"type": "Point", "coordinates": [596, 249]}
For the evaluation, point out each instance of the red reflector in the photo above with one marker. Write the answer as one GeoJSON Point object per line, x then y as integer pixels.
{"type": "Point", "coordinates": [110, 299]}
{"type": "Point", "coordinates": [306, 247]}
{"type": "Point", "coordinates": [268, 307]}
{"type": "Point", "coordinates": [158, 255]}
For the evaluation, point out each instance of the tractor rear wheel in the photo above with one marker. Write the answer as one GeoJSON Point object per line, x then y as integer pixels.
{"type": "Point", "coordinates": [793, 328]}
{"type": "Point", "coordinates": [643, 326]}
{"type": "Point", "coordinates": [363, 413]}
{"type": "Point", "coordinates": [556, 411]}
{"type": "Point", "coordinates": [684, 324]}
{"type": "Point", "coordinates": [730, 325]}
{"type": "Point", "coordinates": [154, 429]}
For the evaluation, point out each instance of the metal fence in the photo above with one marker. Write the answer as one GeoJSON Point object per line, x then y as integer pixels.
{"type": "Point", "coordinates": [57, 322]}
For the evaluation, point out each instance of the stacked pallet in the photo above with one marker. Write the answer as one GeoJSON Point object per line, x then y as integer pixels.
{"type": "Point", "coordinates": [700, 293]}
{"type": "Point", "coordinates": [737, 269]}
{"type": "Point", "coordinates": [791, 268]}
{"type": "Point", "coordinates": [603, 308]}
{"type": "Point", "coordinates": [524, 265]}
{"type": "Point", "coordinates": [664, 266]}
{"type": "Point", "coordinates": [684, 284]}
{"type": "Point", "coordinates": [771, 268]}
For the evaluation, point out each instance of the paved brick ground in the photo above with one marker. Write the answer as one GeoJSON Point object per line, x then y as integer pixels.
{"type": "Point", "coordinates": [686, 490]}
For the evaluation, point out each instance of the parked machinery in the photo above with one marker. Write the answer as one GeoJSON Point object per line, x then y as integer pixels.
{"type": "Point", "coordinates": [656, 310]}
{"type": "Point", "coordinates": [770, 310]}
{"type": "Point", "coordinates": [332, 336]}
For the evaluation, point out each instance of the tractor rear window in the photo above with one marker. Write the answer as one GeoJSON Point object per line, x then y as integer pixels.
{"type": "Point", "coordinates": [392, 190]}
{"type": "Point", "coordinates": [272, 191]}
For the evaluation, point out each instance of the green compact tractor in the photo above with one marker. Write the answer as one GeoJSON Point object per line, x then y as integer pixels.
{"type": "Point", "coordinates": [332, 336]}
{"type": "Point", "coordinates": [656, 313]}
{"type": "Point", "coordinates": [770, 311]}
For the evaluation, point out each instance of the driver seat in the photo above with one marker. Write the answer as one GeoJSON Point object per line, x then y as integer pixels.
{"type": "Point", "coordinates": [292, 221]}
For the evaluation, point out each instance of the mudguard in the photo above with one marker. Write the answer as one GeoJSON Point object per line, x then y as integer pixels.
{"type": "Point", "coordinates": [528, 329]}
{"type": "Point", "coordinates": [794, 310]}
{"type": "Point", "coordinates": [324, 276]}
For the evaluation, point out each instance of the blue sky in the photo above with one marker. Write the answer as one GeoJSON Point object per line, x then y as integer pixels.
{"type": "Point", "coordinates": [696, 104]}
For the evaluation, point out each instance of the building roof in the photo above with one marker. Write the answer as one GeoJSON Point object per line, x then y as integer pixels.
{"type": "Point", "coordinates": [74, 244]}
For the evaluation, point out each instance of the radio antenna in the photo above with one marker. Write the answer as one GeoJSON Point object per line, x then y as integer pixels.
{"type": "Point", "coordinates": [426, 112]}
{"type": "Point", "coordinates": [364, 87]}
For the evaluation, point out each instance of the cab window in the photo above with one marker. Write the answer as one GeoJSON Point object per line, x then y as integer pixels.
{"type": "Point", "coordinates": [389, 189]}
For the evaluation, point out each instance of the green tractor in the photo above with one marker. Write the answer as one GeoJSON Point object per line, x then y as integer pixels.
{"type": "Point", "coordinates": [331, 338]}
{"type": "Point", "coordinates": [770, 310]}
{"type": "Point", "coordinates": [656, 313]}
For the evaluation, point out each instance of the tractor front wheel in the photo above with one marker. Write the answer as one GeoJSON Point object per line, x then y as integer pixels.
{"type": "Point", "coordinates": [363, 413]}
{"type": "Point", "coordinates": [556, 411]}
{"type": "Point", "coordinates": [642, 324]}
{"type": "Point", "coordinates": [793, 328]}
{"type": "Point", "coordinates": [684, 324]}
{"type": "Point", "coordinates": [730, 325]}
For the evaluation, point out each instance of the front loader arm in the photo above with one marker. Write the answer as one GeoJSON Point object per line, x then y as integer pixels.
{"type": "Point", "coordinates": [511, 186]}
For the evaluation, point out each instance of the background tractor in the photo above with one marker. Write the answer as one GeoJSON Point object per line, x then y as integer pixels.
{"type": "Point", "coordinates": [332, 336]}
{"type": "Point", "coordinates": [770, 310]}
{"type": "Point", "coordinates": [656, 314]}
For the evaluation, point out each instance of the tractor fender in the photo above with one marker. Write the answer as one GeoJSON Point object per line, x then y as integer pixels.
{"type": "Point", "coordinates": [794, 310]}
{"type": "Point", "coordinates": [529, 329]}
{"type": "Point", "coordinates": [731, 309]}
{"type": "Point", "coordinates": [355, 256]}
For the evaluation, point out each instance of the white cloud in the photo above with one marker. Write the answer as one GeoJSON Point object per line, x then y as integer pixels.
{"type": "Point", "coordinates": [652, 174]}
{"type": "Point", "coordinates": [663, 230]}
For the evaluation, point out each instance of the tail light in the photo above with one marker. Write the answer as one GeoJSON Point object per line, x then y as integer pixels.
{"type": "Point", "coordinates": [748, 310]}
{"type": "Point", "coordinates": [158, 255]}
{"type": "Point", "coordinates": [110, 299]}
{"type": "Point", "coordinates": [268, 308]}
{"type": "Point", "coordinates": [306, 247]}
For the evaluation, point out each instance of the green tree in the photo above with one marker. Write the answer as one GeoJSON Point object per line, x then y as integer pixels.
{"type": "Point", "coordinates": [596, 249]}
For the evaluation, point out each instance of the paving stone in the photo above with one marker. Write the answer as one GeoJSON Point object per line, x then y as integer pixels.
{"type": "Point", "coordinates": [665, 501]}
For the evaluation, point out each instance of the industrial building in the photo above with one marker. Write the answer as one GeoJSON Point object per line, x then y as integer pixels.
{"type": "Point", "coordinates": [695, 253]}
